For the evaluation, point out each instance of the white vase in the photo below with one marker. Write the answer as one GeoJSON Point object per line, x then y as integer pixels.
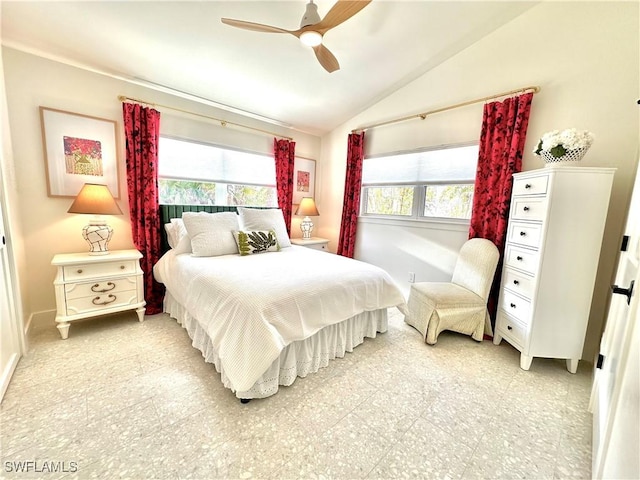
{"type": "Point", "coordinates": [571, 157]}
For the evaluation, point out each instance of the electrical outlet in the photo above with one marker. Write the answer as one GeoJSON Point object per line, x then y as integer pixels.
{"type": "Point", "coordinates": [412, 277]}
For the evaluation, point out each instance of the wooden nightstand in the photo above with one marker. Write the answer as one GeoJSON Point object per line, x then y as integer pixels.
{"type": "Point", "coordinates": [91, 285]}
{"type": "Point", "coordinates": [316, 243]}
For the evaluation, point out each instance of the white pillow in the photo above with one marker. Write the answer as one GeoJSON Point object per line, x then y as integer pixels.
{"type": "Point", "coordinates": [171, 234]}
{"type": "Point", "coordinates": [212, 234]}
{"type": "Point", "coordinates": [265, 219]}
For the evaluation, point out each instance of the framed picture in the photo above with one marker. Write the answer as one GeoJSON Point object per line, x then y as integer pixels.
{"type": "Point", "coordinates": [304, 176]}
{"type": "Point", "coordinates": [78, 149]}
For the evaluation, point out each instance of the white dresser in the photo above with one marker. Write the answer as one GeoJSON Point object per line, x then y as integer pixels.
{"type": "Point", "coordinates": [91, 285]}
{"type": "Point", "coordinates": [551, 257]}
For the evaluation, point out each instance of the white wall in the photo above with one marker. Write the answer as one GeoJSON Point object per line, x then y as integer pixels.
{"type": "Point", "coordinates": [46, 226]}
{"type": "Point", "coordinates": [584, 56]}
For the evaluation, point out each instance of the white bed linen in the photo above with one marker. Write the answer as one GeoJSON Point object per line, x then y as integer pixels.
{"type": "Point", "coordinates": [252, 307]}
{"type": "Point", "coordinates": [298, 359]}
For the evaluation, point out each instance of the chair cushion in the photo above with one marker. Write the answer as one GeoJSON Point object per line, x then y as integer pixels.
{"type": "Point", "coordinates": [446, 295]}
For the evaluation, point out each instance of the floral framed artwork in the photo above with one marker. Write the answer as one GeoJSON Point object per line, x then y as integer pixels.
{"type": "Point", "coordinates": [78, 149]}
{"type": "Point", "coordinates": [304, 176]}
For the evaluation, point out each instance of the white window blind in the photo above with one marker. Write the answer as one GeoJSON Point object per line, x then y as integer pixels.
{"type": "Point", "coordinates": [444, 165]}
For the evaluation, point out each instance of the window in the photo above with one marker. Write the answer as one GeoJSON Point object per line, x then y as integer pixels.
{"type": "Point", "coordinates": [435, 183]}
{"type": "Point", "coordinates": [200, 174]}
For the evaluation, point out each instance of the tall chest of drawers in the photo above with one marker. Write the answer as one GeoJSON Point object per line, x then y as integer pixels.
{"type": "Point", "coordinates": [92, 285]}
{"type": "Point", "coordinates": [551, 256]}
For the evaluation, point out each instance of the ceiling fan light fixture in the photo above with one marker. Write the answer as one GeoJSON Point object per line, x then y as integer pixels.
{"type": "Point", "coordinates": [311, 38]}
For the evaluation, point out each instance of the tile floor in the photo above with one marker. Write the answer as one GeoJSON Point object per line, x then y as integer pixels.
{"type": "Point", "coordinates": [123, 399]}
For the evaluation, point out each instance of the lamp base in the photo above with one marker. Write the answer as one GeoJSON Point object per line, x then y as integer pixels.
{"type": "Point", "coordinates": [97, 234]}
{"type": "Point", "coordinates": [307, 227]}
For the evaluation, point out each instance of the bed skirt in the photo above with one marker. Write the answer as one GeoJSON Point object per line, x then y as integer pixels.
{"type": "Point", "coordinates": [299, 358]}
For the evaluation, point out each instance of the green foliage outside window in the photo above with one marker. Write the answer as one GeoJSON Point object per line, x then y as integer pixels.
{"type": "Point", "coordinates": [389, 200]}
{"type": "Point", "coordinates": [251, 195]}
{"type": "Point", "coordinates": [184, 192]}
{"type": "Point", "coordinates": [448, 201]}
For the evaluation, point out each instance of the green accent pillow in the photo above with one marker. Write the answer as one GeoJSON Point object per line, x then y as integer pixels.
{"type": "Point", "coordinates": [259, 241]}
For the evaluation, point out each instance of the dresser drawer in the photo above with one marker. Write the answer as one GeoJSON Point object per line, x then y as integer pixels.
{"type": "Point", "coordinates": [101, 302]}
{"type": "Point", "coordinates": [512, 330]}
{"type": "Point", "coordinates": [529, 208]}
{"type": "Point", "coordinates": [91, 270]}
{"type": "Point", "coordinates": [527, 234]}
{"type": "Point", "coordinates": [515, 306]}
{"type": "Point", "coordinates": [100, 287]}
{"type": "Point", "coordinates": [530, 185]}
{"type": "Point", "coordinates": [518, 282]}
{"type": "Point", "coordinates": [522, 259]}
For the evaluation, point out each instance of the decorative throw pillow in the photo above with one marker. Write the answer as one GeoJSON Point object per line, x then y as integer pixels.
{"type": "Point", "coordinates": [265, 219]}
{"type": "Point", "coordinates": [250, 242]}
{"type": "Point", "coordinates": [211, 234]}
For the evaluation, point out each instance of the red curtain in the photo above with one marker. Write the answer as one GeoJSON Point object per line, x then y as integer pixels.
{"type": "Point", "coordinates": [504, 128]}
{"type": "Point", "coordinates": [351, 205]}
{"type": "Point", "coordinates": [285, 152]}
{"type": "Point", "coordinates": [142, 132]}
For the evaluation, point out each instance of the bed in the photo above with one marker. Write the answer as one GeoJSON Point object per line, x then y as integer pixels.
{"type": "Point", "coordinates": [265, 318]}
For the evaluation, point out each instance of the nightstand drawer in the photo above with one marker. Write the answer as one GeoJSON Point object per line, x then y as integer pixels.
{"type": "Point", "coordinates": [101, 302]}
{"type": "Point", "coordinates": [101, 287]}
{"type": "Point", "coordinates": [91, 270]}
{"type": "Point", "coordinates": [318, 246]}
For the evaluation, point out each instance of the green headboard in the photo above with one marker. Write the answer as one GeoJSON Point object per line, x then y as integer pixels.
{"type": "Point", "coordinates": [167, 212]}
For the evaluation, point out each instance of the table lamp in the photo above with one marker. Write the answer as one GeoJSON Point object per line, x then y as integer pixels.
{"type": "Point", "coordinates": [307, 208]}
{"type": "Point", "coordinates": [96, 200]}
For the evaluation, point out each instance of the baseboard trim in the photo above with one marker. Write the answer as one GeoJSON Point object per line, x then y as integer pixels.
{"type": "Point", "coordinates": [34, 319]}
{"type": "Point", "coordinates": [8, 373]}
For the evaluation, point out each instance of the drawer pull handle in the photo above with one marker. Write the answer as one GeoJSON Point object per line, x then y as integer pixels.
{"type": "Point", "coordinates": [523, 234]}
{"type": "Point", "coordinates": [527, 186]}
{"type": "Point", "coordinates": [526, 209]}
{"type": "Point", "coordinates": [79, 270]}
{"type": "Point", "coordinates": [110, 286]}
{"type": "Point", "coordinates": [516, 282]}
{"type": "Point", "coordinates": [509, 327]}
{"type": "Point", "coordinates": [519, 258]}
{"type": "Point", "coordinates": [111, 299]}
{"type": "Point", "coordinates": [122, 267]}
{"type": "Point", "coordinates": [512, 305]}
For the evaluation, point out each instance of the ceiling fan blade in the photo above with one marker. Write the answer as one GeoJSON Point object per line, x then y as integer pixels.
{"type": "Point", "coordinates": [256, 27]}
{"type": "Point", "coordinates": [342, 11]}
{"type": "Point", "coordinates": [326, 58]}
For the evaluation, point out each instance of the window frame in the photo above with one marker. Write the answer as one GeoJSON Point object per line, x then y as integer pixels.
{"type": "Point", "coordinates": [220, 180]}
{"type": "Point", "coordinates": [419, 194]}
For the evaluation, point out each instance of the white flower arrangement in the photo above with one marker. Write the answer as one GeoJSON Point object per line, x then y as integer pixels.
{"type": "Point", "coordinates": [558, 143]}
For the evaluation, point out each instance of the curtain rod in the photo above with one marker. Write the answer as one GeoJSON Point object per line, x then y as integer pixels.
{"type": "Point", "coordinates": [422, 116]}
{"type": "Point", "coordinates": [223, 123]}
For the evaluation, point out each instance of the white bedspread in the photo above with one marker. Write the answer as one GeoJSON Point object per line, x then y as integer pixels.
{"type": "Point", "coordinates": [253, 306]}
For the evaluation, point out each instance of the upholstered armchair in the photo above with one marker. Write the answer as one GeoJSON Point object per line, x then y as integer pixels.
{"type": "Point", "coordinates": [459, 305]}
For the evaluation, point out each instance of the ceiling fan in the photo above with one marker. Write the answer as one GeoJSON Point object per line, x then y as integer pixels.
{"type": "Point", "coordinates": [312, 28]}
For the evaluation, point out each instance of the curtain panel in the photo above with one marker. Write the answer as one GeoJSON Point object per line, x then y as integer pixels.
{"type": "Point", "coordinates": [504, 129]}
{"type": "Point", "coordinates": [351, 204]}
{"type": "Point", "coordinates": [142, 133]}
{"type": "Point", "coordinates": [285, 153]}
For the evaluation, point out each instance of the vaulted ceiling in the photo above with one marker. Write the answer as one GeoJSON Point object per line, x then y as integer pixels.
{"type": "Point", "coordinates": [184, 47]}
